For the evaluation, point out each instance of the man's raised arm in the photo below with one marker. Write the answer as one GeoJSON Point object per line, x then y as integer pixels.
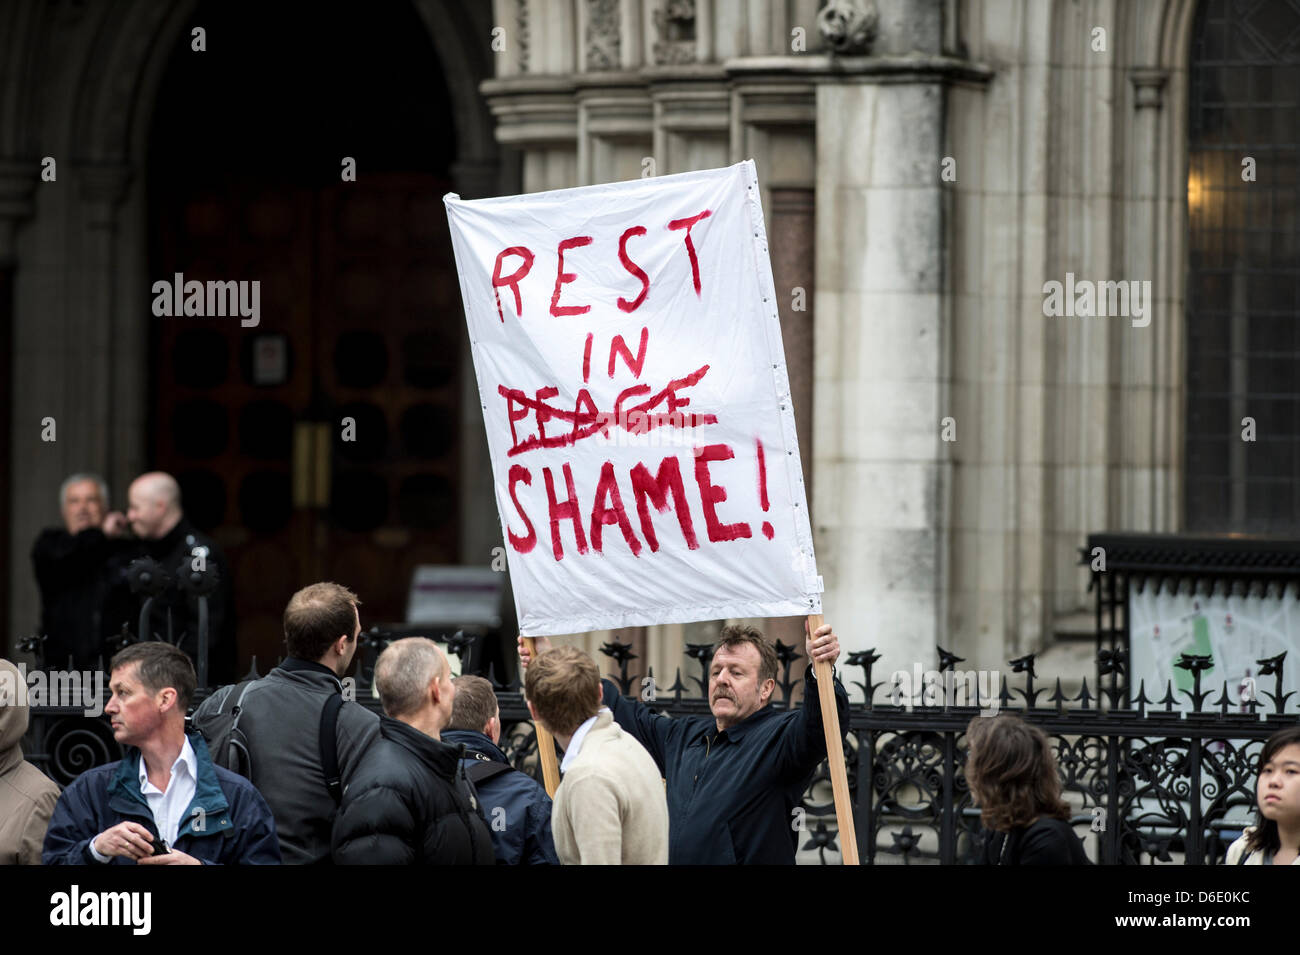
{"type": "Point", "coordinates": [804, 743]}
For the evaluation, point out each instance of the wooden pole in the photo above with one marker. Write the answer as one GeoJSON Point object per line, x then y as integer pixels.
{"type": "Point", "coordinates": [835, 751]}
{"type": "Point", "coordinates": [546, 744]}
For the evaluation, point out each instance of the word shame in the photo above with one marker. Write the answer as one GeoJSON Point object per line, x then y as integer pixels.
{"type": "Point", "coordinates": [208, 299]}
{"type": "Point", "coordinates": [663, 490]}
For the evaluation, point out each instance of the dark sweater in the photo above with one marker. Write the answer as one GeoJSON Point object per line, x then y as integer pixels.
{"type": "Point", "coordinates": [72, 572]}
{"type": "Point", "coordinates": [731, 794]}
{"type": "Point", "coordinates": [1046, 842]}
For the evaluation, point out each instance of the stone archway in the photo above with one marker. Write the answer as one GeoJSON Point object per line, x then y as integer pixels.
{"type": "Point", "coordinates": [84, 81]}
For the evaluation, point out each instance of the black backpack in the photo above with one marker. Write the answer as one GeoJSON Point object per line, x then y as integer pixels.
{"type": "Point", "coordinates": [481, 770]}
{"type": "Point", "coordinates": [228, 746]}
{"type": "Point", "coordinates": [469, 778]}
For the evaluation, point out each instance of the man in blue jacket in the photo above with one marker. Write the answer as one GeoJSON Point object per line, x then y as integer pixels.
{"type": "Point", "coordinates": [735, 778]}
{"type": "Point", "coordinates": [515, 805]}
{"type": "Point", "coordinates": [163, 803]}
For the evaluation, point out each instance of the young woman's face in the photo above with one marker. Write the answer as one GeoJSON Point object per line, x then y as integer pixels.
{"type": "Point", "coordinates": [1279, 785]}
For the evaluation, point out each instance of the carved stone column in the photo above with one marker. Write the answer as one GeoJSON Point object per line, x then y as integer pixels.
{"type": "Point", "coordinates": [880, 472]}
{"type": "Point", "coordinates": [1149, 481]}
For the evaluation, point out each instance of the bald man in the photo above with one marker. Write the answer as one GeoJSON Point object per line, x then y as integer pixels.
{"type": "Point", "coordinates": [409, 802]}
{"type": "Point", "coordinates": [164, 533]}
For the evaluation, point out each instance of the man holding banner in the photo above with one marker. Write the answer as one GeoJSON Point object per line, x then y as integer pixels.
{"type": "Point", "coordinates": [646, 468]}
{"type": "Point", "coordinates": [734, 779]}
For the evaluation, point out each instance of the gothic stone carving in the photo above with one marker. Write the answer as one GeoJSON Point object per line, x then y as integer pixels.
{"type": "Point", "coordinates": [675, 25]}
{"type": "Point", "coordinates": [602, 35]}
{"type": "Point", "coordinates": [848, 26]}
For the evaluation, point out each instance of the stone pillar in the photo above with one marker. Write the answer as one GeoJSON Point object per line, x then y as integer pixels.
{"type": "Point", "coordinates": [1150, 486]}
{"type": "Point", "coordinates": [879, 471]}
{"type": "Point", "coordinates": [98, 326]}
{"type": "Point", "coordinates": [80, 357]}
{"type": "Point", "coordinates": [17, 180]}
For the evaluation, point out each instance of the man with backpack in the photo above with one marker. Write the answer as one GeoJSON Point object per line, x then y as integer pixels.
{"type": "Point", "coordinates": [515, 805]}
{"type": "Point", "coordinates": [292, 733]}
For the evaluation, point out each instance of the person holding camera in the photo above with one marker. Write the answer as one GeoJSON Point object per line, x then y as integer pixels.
{"type": "Point", "coordinates": [183, 553]}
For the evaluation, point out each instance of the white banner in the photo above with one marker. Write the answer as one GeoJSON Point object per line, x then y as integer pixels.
{"type": "Point", "coordinates": [633, 384]}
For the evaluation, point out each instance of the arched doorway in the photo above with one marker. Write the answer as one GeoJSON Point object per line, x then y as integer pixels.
{"type": "Point", "coordinates": [322, 442]}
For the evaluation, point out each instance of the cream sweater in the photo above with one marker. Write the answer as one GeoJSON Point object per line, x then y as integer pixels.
{"type": "Point", "coordinates": [1255, 858]}
{"type": "Point", "coordinates": [610, 808]}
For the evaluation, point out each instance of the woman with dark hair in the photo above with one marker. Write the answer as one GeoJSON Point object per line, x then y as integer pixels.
{"type": "Point", "coordinates": [1275, 840]}
{"type": "Point", "coordinates": [1013, 779]}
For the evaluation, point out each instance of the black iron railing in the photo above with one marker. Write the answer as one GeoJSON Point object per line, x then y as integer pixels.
{"type": "Point", "coordinates": [1149, 782]}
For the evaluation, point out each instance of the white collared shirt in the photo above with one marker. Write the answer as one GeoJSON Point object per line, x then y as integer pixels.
{"type": "Point", "coordinates": [167, 807]}
{"type": "Point", "coordinates": [575, 742]}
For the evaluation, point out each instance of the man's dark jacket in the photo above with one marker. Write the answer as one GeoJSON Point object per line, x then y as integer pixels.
{"type": "Point", "coordinates": [72, 573]}
{"type": "Point", "coordinates": [281, 720]}
{"type": "Point", "coordinates": [732, 795]}
{"type": "Point", "coordinates": [405, 806]}
{"type": "Point", "coordinates": [175, 552]}
{"type": "Point", "coordinates": [234, 828]}
{"type": "Point", "coordinates": [521, 830]}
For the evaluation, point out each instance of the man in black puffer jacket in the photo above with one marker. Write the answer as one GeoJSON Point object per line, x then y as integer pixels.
{"type": "Point", "coordinates": [408, 802]}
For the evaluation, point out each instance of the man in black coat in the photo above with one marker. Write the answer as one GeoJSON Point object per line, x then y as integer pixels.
{"type": "Point", "coordinates": [736, 778]}
{"type": "Point", "coordinates": [71, 564]}
{"type": "Point", "coordinates": [409, 802]}
{"type": "Point", "coordinates": [167, 536]}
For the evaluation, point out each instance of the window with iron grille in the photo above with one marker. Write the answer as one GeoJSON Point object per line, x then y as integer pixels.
{"type": "Point", "coordinates": [1243, 293]}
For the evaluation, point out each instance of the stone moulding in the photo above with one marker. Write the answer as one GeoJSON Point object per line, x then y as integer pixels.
{"type": "Point", "coordinates": [826, 68]}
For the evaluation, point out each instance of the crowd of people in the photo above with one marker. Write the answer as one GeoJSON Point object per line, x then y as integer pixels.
{"type": "Point", "coordinates": [323, 779]}
{"type": "Point", "coordinates": [83, 572]}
